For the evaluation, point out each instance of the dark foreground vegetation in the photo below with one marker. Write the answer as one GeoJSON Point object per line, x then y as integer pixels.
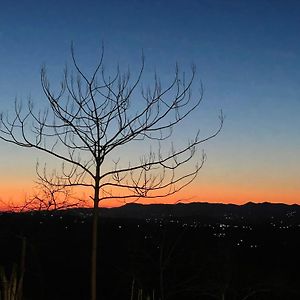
{"type": "Point", "coordinates": [163, 252]}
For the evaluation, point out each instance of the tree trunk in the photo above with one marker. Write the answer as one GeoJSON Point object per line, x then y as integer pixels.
{"type": "Point", "coordinates": [94, 244]}
{"type": "Point", "coordinates": [94, 252]}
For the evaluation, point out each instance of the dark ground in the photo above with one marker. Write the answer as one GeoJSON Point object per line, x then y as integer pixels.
{"type": "Point", "coordinates": [225, 253]}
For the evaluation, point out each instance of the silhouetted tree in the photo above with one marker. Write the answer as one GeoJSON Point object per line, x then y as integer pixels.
{"type": "Point", "coordinates": [50, 194]}
{"type": "Point", "coordinates": [91, 117]}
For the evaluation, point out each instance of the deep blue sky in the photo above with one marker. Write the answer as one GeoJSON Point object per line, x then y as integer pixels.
{"type": "Point", "coordinates": [247, 55]}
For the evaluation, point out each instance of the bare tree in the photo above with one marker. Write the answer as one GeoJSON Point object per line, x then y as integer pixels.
{"type": "Point", "coordinates": [50, 194]}
{"type": "Point", "coordinates": [90, 117]}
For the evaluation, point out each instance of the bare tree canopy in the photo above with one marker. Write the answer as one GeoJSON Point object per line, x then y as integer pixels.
{"type": "Point", "coordinates": [91, 117]}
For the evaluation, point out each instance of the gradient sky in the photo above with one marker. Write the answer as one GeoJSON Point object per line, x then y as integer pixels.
{"type": "Point", "coordinates": [247, 55]}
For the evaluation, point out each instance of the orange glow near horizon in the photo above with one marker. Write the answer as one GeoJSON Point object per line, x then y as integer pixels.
{"type": "Point", "coordinates": [12, 195]}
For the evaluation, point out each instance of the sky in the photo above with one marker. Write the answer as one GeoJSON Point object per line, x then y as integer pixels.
{"type": "Point", "coordinates": [247, 55]}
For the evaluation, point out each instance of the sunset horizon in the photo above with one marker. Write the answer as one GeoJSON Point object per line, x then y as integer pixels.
{"type": "Point", "coordinates": [243, 57]}
{"type": "Point", "coordinates": [11, 202]}
{"type": "Point", "coordinates": [150, 150]}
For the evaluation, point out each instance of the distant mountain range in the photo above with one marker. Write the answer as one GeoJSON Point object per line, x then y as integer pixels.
{"type": "Point", "coordinates": [200, 209]}
{"type": "Point", "coordinates": [250, 210]}
{"type": "Point", "coordinates": [206, 211]}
